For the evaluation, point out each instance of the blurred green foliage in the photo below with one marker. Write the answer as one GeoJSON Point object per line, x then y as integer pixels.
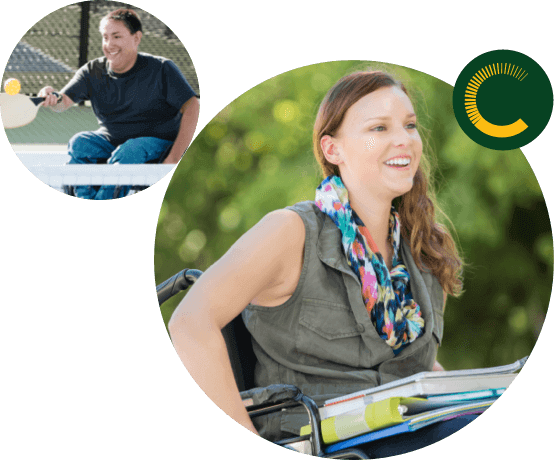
{"type": "Point", "coordinates": [256, 156]}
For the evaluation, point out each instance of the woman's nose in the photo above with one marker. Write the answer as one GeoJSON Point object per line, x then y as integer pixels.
{"type": "Point", "coordinates": [401, 137]}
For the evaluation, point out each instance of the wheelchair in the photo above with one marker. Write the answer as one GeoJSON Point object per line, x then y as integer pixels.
{"type": "Point", "coordinates": [259, 401]}
{"type": "Point", "coordinates": [70, 189]}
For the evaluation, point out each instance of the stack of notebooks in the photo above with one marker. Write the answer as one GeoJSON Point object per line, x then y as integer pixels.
{"type": "Point", "coordinates": [410, 404]}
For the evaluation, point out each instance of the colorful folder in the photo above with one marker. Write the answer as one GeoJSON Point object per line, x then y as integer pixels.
{"type": "Point", "coordinates": [413, 424]}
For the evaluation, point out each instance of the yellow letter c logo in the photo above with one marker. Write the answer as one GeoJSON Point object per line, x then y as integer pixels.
{"type": "Point", "coordinates": [471, 101]}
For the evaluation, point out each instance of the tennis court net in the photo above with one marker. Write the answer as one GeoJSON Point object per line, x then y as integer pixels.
{"type": "Point", "coordinates": [134, 175]}
{"type": "Point", "coordinates": [51, 167]}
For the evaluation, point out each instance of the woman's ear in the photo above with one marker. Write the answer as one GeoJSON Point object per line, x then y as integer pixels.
{"type": "Point", "coordinates": [330, 149]}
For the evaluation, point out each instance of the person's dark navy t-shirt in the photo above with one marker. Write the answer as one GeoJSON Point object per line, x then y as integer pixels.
{"type": "Point", "coordinates": [142, 102]}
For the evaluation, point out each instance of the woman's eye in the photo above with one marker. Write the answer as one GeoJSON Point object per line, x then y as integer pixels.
{"type": "Point", "coordinates": [383, 128]}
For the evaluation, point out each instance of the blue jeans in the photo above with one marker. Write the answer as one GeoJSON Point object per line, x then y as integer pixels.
{"type": "Point", "coordinates": [91, 147]}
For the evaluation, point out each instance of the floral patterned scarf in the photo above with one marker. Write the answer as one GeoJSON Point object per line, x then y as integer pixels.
{"type": "Point", "coordinates": [386, 295]}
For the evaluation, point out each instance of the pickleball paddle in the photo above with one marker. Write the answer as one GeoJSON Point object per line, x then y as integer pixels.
{"type": "Point", "coordinates": [19, 110]}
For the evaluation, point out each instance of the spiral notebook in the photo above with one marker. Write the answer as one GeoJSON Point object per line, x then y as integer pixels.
{"type": "Point", "coordinates": [426, 384]}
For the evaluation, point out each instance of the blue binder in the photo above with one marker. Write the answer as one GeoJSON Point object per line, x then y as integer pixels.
{"type": "Point", "coordinates": [415, 423]}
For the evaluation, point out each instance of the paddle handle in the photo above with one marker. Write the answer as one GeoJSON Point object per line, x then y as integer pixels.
{"type": "Point", "coordinates": [38, 100]}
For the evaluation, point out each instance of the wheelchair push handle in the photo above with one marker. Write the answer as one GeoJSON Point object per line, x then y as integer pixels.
{"type": "Point", "coordinates": [176, 284]}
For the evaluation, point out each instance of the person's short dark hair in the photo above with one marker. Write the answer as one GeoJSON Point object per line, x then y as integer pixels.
{"type": "Point", "coordinates": [128, 17]}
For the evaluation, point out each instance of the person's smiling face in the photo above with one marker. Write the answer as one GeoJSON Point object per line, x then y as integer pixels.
{"type": "Point", "coordinates": [119, 46]}
{"type": "Point", "coordinates": [377, 146]}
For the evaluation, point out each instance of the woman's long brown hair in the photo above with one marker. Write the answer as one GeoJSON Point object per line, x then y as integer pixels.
{"type": "Point", "coordinates": [431, 244]}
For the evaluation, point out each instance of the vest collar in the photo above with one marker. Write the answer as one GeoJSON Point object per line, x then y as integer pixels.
{"type": "Point", "coordinates": [330, 252]}
{"type": "Point", "coordinates": [329, 247]}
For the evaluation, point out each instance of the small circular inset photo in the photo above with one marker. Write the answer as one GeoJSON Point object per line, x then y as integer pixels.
{"type": "Point", "coordinates": [99, 100]}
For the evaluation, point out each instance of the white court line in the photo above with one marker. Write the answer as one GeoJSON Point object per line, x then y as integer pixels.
{"type": "Point", "coordinates": [39, 148]}
{"type": "Point", "coordinates": [38, 158]}
{"type": "Point", "coordinates": [117, 174]}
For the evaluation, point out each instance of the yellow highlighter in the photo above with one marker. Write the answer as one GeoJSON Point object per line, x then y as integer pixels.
{"type": "Point", "coordinates": [375, 416]}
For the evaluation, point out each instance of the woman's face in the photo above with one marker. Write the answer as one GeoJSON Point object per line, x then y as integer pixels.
{"type": "Point", "coordinates": [377, 146]}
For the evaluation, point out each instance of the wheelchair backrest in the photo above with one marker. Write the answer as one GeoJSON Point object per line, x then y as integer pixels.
{"type": "Point", "coordinates": [237, 338]}
{"type": "Point", "coordinates": [241, 354]}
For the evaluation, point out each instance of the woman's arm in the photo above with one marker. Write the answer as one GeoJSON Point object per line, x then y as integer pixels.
{"type": "Point", "coordinates": [264, 263]}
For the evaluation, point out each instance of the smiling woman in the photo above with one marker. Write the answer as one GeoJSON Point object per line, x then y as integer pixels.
{"type": "Point", "coordinates": [365, 129]}
{"type": "Point", "coordinates": [385, 120]}
{"type": "Point", "coordinates": [344, 292]}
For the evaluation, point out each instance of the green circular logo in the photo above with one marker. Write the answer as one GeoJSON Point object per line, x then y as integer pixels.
{"type": "Point", "coordinates": [503, 99]}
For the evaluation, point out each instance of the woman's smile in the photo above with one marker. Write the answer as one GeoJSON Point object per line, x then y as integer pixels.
{"type": "Point", "coordinates": [399, 162]}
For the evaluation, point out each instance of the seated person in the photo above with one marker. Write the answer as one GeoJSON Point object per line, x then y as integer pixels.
{"type": "Point", "coordinates": [145, 107]}
{"type": "Point", "coordinates": [342, 293]}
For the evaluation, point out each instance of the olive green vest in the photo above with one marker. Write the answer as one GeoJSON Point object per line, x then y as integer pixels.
{"type": "Point", "coordinates": [322, 339]}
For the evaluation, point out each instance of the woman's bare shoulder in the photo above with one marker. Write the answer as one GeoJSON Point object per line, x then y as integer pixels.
{"type": "Point", "coordinates": [262, 267]}
{"type": "Point", "coordinates": [284, 222]}
{"type": "Point", "coordinates": [279, 237]}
